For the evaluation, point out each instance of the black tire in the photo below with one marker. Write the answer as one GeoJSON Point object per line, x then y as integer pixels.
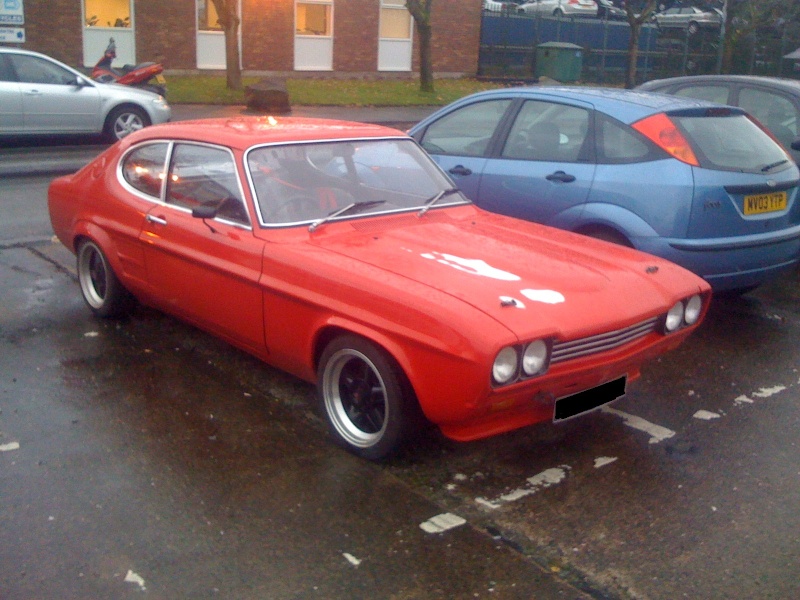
{"type": "Point", "coordinates": [558, 13]}
{"type": "Point", "coordinates": [100, 287]}
{"type": "Point", "coordinates": [124, 120]}
{"type": "Point", "coordinates": [364, 397]}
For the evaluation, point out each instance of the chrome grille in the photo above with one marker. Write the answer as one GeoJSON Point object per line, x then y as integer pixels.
{"type": "Point", "coordinates": [602, 342]}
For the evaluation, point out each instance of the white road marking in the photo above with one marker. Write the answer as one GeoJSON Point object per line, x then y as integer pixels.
{"type": "Point", "coordinates": [132, 577]}
{"type": "Point", "coordinates": [706, 415]}
{"type": "Point", "coordinates": [543, 480]}
{"type": "Point", "coordinates": [767, 392]}
{"type": "Point", "coordinates": [657, 432]}
{"type": "Point", "coordinates": [10, 446]}
{"type": "Point", "coordinates": [441, 523]}
{"type": "Point", "coordinates": [351, 559]}
{"type": "Point", "coordinates": [602, 461]}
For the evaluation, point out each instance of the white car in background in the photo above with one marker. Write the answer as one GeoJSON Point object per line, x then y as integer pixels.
{"type": "Point", "coordinates": [493, 6]}
{"type": "Point", "coordinates": [42, 96]}
{"type": "Point", "coordinates": [568, 8]}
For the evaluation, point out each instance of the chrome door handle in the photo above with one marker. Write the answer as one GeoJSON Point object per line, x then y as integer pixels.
{"type": "Point", "coordinates": [156, 220]}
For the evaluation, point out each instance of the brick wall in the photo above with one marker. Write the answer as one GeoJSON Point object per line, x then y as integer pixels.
{"type": "Point", "coordinates": [165, 32]}
{"type": "Point", "coordinates": [54, 27]}
{"type": "Point", "coordinates": [355, 29]}
{"type": "Point", "coordinates": [268, 35]}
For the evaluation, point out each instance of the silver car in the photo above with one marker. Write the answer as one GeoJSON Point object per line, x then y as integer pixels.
{"type": "Point", "coordinates": [42, 96]}
{"type": "Point", "coordinates": [572, 8]}
{"type": "Point", "coordinates": [690, 18]}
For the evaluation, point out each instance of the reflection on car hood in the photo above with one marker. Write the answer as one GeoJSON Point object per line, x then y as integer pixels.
{"type": "Point", "coordinates": [524, 275]}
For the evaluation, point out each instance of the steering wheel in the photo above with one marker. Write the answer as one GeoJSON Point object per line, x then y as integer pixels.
{"type": "Point", "coordinates": [296, 208]}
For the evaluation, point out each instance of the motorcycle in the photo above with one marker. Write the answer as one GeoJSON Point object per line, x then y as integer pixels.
{"type": "Point", "coordinates": [146, 76]}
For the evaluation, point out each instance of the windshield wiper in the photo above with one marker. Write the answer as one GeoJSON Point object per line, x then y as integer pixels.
{"type": "Point", "coordinates": [434, 199]}
{"type": "Point", "coordinates": [353, 207]}
{"type": "Point", "coordinates": [771, 166]}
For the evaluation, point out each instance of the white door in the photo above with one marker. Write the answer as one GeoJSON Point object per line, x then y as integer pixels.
{"type": "Point", "coordinates": [104, 19]}
{"type": "Point", "coordinates": [313, 39]}
{"type": "Point", "coordinates": [395, 38]}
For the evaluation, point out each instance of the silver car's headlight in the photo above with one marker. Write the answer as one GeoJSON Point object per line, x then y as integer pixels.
{"type": "Point", "coordinates": [505, 365]}
{"type": "Point", "coordinates": [535, 358]}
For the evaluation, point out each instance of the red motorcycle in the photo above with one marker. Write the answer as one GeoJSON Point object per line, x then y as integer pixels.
{"type": "Point", "coordinates": [146, 76]}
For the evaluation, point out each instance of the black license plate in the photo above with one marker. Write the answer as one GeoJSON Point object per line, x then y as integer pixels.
{"type": "Point", "coordinates": [590, 399]}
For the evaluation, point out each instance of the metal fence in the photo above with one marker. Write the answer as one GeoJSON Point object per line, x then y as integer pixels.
{"type": "Point", "coordinates": [509, 49]}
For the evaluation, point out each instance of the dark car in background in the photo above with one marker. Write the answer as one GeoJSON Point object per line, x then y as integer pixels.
{"type": "Point", "coordinates": [773, 101]}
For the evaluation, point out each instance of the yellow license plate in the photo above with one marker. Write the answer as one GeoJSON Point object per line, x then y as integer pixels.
{"type": "Point", "coordinates": [763, 203]}
{"type": "Point", "coordinates": [160, 79]}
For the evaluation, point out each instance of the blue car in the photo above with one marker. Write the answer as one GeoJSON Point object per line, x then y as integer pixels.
{"type": "Point", "coordinates": [700, 184]}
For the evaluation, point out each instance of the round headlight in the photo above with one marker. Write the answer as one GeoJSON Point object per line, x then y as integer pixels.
{"type": "Point", "coordinates": [674, 317]}
{"type": "Point", "coordinates": [505, 365]}
{"type": "Point", "coordinates": [534, 359]}
{"type": "Point", "coordinates": [693, 308]}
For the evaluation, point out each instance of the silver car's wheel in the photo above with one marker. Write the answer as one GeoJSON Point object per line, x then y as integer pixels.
{"type": "Point", "coordinates": [361, 395]}
{"type": "Point", "coordinates": [100, 287]}
{"type": "Point", "coordinates": [124, 120]}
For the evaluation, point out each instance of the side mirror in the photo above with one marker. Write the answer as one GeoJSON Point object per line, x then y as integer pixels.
{"type": "Point", "coordinates": [796, 144]}
{"type": "Point", "coordinates": [205, 211]}
{"type": "Point", "coordinates": [81, 82]}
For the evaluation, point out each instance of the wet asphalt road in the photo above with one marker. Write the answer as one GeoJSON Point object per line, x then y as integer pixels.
{"type": "Point", "coordinates": [149, 450]}
{"type": "Point", "coordinates": [144, 459]}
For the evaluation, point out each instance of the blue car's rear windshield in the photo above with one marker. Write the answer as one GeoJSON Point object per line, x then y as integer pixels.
{"type": "Point", "coordinates": [732, 142]}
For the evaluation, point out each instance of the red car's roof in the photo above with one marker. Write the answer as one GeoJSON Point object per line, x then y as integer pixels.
{"type": "Point", "coordinates": [243, 132]}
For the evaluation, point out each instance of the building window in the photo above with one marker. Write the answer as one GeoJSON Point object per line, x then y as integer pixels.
{"type": "Point", "coordinates": [313, 18]}
{"type": "Point", "coordinates": [395, 21]}
{"type": "Point", "coordinates": [207, 16]}
{"type": "Point", "coordinates": [107, 13]}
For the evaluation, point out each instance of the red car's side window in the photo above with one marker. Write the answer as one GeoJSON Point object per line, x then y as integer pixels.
{"type": "Point", "coordinates": [144, 168]}
{"type": "Point", "coordinates": [202, 175]}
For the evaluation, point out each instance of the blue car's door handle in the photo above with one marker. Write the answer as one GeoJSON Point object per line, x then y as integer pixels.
{"type": "Point", "coordinates": [460, 170]}
{"type": "Point", "coordinates": [561, 176]}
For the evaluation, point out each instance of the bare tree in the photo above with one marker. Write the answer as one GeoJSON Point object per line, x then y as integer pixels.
{"type": "Point", "coordinates": [639, 13]}
{"type": "Point", "coordinates": [421, 11]}
{"type": "Point", "coordinates": [228, 15]}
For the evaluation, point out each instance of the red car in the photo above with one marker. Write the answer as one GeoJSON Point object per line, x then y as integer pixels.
{"type": "Point", "coordinates": [341, 253]}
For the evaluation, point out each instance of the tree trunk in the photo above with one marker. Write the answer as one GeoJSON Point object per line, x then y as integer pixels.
{"type": "Point", "coordinates": [229, 20]}
{"type": "Point", "coordinates": [421, 11]}
{"type": "Point", "coordinates": [633, 56]}
{"type": "Point", "coordinates": [233, 70]}
{"type": "Point", "coordinates": [425, 59]}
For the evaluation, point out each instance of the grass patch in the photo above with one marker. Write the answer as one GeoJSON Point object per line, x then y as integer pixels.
{"type": "Point", "coordinates": [207, 89]}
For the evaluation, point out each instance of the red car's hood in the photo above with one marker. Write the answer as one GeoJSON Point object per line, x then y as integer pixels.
{"type": "Point", "coordinates": [526, 276]}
